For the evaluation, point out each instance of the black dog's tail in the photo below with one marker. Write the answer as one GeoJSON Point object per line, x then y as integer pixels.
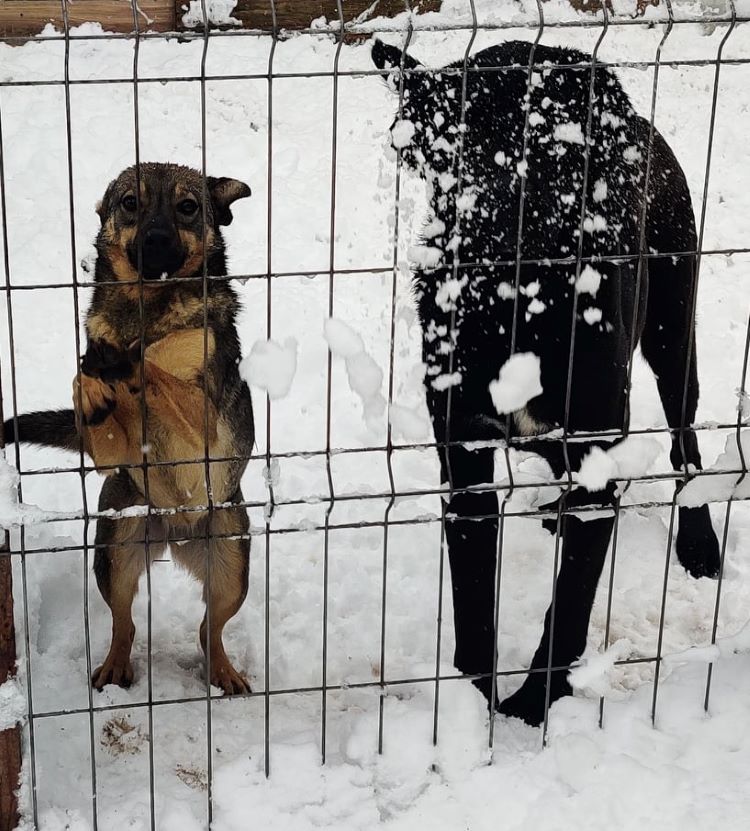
{"type": "Point", "coordinates": [49, 428]}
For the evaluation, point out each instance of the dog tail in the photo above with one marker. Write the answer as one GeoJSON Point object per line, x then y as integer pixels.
{"type": "Point", "coordinates": [49, 428]}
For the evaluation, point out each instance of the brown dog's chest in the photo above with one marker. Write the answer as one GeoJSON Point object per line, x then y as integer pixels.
{"type": "Point", "coordinates": [120, 322]}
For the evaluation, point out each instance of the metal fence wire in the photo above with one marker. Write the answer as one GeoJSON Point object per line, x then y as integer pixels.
{"type": "Point", "coordinates": [281, 512]}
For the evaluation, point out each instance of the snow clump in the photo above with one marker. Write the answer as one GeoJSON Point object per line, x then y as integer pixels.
{"type": "Point", "coordinates": [402, 133]}
{"type": "Point", "coordinates": [570, 132]}
{"type": "Point", "coordinates": [518, 383]}
{"type": "Point", "coordinates": [720, 487]}
{"type": "Point", "coordinates": [218, 12]}
{"type": "Point", "coordinates": [630, 458]}
{"type": "Point", "coordinates": [588, 281]}
{"type": "Point", "coordinates": [365, 376]}
{"type": "Point", "coordinates": [12, 704]}
{"type": "Point", "coordinates": [271, 366]}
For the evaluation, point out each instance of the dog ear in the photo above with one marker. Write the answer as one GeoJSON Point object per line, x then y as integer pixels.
{"type": "Point", "coordinates": [223, 192]}
{"type": "Point", "coordinates": [391, 57]}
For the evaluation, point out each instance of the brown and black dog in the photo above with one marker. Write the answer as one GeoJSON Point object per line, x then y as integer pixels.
{"type": "Point", "coordinates": [162, 358]}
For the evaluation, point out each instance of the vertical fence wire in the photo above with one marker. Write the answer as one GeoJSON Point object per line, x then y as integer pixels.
{"type": "Point", "coordinates": [206, 408]}
{"type": "Point", "coordinates": [641, 265]}
{"type": "Point", "coordinates": [329, 474]}
{"type": "Point", "coordinates": [144, 417]}
{"type": "Point", "coordinates": [562, 505]}
{"type": "Point", "coordinates": [690, 348]}
{"type": "Point", "coordinates": [391, 359]}
{"type": "Point", "coordinates": [742, 391]}
{"type": "Point", "coordinates": [81, 459]}
{"type": "Point", "coordinates": [507, 496]}
{"type": "Point", "coordinates": [610, 591]}
{"type": "Point", "coordinates": [269, 473]}
{"type": "Point", "coordinates": [514, 324]}
{"type": "Point", "coordinates": [452, 338]}
{"type": "Point", "coordinates": [642, 245]}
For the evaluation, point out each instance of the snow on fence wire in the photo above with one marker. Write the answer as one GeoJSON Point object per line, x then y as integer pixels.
{"type": "Point", "coordinates": [474, 21]}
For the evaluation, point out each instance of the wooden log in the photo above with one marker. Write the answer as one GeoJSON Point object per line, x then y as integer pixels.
{"type": "Point", "coordinates": [24, 18]}
{"type": "Point", "coordinates": [299, 14]}
{"type": "Point", "coordinates": [21, 18]}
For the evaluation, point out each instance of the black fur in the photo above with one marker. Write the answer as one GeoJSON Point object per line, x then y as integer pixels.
{"type": "Point", "coordinates": [473, 318]}
{"type": "Point", "coordinates": [46, 428]}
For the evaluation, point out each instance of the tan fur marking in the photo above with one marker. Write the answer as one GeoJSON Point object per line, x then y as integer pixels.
{"type": "Point", "coordinates": [183, 311]}
{"type": "Point", "coordinates": [527, 425]}
{"type": "Point", "coordinates": [181, 353]}
{"type": "Point", "coordinates": [126, 563]}
{"type": "Point", "coordinates": [182, 192]}
{"type": "Point", "coordinates": [228, 559]}
{"type": "Point", "coordinates": [99, 328]}
{"type": "Point", "coordinates": [194, 252]}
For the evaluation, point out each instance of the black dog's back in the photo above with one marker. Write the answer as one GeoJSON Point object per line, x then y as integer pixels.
{"type": "Point", "coordinates": [538, 170]}
{"type": "Point", "coordinates": [550, 166]}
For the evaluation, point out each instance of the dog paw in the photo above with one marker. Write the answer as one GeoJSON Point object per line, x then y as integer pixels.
{"type": "Point", "coordinates": [117, 671]}
{"type": "Point", "coordinates": [228, 679]}
{"type": "Point", "coordinates": [522, 706]}
{"type": "Point", "coordinates": [93, 400]}
{"type": "Point", "coordinates": [697, 545]}
{"type": "Point", "coordinates": [108, 363]}
{"type": "Point", "coordinates": [528, 702]}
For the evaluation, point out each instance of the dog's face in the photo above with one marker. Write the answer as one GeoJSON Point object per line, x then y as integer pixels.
{"type": "Point", "coordinates": [160, 230]}
{"type": "Point", "coordinates": [426, 128]}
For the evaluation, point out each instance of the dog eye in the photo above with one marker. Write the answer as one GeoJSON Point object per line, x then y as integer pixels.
{"type": "Point", "coordinates": [129, 202]}
{"type": "Point", "coordinates": [187, 207]}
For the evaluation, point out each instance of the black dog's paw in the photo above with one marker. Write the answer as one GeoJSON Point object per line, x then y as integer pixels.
{"type": "Point", "coordinates": [107, 362]}
{"type": "Point", "coordinates": [523, 706]}
{"type": "Point", "coordinates": [528, 702]}
{"type": "Point", "coordinates": [697, 546]}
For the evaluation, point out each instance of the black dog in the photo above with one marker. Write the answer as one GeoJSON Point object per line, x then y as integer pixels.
{"type": "Point", "coordinates": [541, 122]}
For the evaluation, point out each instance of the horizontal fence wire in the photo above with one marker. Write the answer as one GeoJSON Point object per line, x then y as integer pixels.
{"type": "Point", "coordinates": [398, 504]}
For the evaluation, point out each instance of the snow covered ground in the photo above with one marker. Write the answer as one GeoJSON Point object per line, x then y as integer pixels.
{"type": "Point", "coordinates": [687, 772]}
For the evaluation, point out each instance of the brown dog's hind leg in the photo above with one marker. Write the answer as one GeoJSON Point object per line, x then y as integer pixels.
{"type": "Point", "coordinates": [119, 561]}
{"type": "Point", "coordinates": [228, 561]}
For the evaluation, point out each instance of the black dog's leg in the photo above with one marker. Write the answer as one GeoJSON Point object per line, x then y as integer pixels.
{"type": "Point", "coordinates": [584, 548]}
{"type": "Point", "coordinates": [472, 548]}
{"type": "Point", "coordinates": [665, 344]}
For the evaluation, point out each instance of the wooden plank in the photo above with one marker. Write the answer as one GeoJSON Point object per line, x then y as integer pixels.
{"type": "Point", "coordinates": [20, 18]}
{"type": "Point", "coordinates": [10, 739]}
{"type": "Point", "coordinates": [299, 14]}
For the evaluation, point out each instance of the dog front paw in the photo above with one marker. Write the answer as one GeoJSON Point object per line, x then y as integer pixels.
{"type": "Point", "coordinates": [109, 363]}
{"type": "Point", "coordinates": [93, 400]}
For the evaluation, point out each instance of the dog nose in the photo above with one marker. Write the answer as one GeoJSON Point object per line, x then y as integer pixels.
{"type": "Point", "coordinates": [160, 251]}
{"type": "Point", "coordinates": [156, 238]}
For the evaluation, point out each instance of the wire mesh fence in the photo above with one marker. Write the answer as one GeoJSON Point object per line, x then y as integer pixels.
{"type": "Point", "coordinates": [355, 515]}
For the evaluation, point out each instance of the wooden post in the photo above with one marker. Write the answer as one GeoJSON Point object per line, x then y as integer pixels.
{"type": "Point", "coordinates": [10, 739]}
